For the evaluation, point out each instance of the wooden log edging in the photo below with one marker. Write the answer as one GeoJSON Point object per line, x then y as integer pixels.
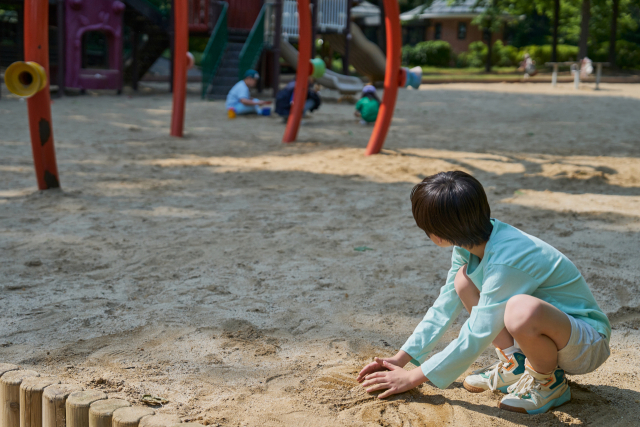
{"type": "Point", "coordinates": [29, 400]}
{"type": "Point", "coordinates": [54, 404]}
{"type": "Point", "coordinates": [31, 391]}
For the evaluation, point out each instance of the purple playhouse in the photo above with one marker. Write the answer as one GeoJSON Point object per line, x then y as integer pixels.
{"type": "Point", "coordinates": [100, 21]}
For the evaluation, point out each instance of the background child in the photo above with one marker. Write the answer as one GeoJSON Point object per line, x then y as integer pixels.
{"type": "Point", "coordinates": [239, 99]}
{"type": "Point", "coordinates": [524, 296]}
{"type": "Point", "coordinates": [367, 107]}
{"type": "Point", "coordinates": [284, 99]}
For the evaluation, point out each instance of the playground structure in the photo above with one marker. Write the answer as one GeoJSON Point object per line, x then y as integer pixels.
{"type": "Point", "coordinates": [103, 44]}
{"type": "Point", "coordinates": [31, 79]}
{"type": "Point", "coordinates": [225, 60]}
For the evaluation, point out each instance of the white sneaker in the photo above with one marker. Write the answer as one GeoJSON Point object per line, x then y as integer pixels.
{"type": "Point", "coordinates": [499, 376]}
{"type": "Point", "coordinates": [536, 393]}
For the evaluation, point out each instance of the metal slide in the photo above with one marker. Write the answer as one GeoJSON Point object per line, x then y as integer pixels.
{"type": "Point", "coordinates": [364, 55]}
{"type": "Point", "coordinates": [332, 80]}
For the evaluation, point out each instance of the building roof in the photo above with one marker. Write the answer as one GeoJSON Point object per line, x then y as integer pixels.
{"type": "Point", "coordinates": [442, 9]}
{"type": "Point", "coordinates": [367, 11]}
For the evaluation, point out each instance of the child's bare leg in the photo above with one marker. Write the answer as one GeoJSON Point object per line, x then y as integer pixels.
{"type": "Point", "coordinates": [540, 329]}
{"type": "Point", "coordinates": [470, 295]}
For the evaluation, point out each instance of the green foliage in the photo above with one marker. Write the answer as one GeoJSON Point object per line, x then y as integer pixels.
{"type": "Point", "coordinates": [542, 54]}
{"type": "Point", "coordinates": [433, 52]}
{"type": "Point", "coordinates": [510, 56]}
{"type": "Point", "coordinates": [627, 54]}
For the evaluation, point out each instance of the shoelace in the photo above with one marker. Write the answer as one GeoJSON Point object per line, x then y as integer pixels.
{"type": "Point", "coordinates": [525, 385]}
{"type": "Point", "coordinates": [493, 373]}
{"type": "Point", "coordinates": [493, 376]}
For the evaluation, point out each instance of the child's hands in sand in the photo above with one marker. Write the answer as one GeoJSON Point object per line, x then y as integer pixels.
{"type": "Point", "coordinates": [395, 380]}
{"type": "Point", "coordinates": [375, 366]}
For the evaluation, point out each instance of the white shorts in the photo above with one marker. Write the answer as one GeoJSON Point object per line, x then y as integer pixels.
{"type": "Point", "coordinates": [585, 351]}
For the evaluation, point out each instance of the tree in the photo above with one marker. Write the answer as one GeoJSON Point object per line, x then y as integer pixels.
{"type": "Point", "coordinates": [584, 28]}
{"type": "Point", "coordinates": [614, 32]}
{"type": "Point", "coordinates": [490, 21]}
{"type": "Point", "coordinates": [556, 23]}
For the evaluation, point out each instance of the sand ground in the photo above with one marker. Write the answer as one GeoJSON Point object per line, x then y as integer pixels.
{"type": "Point", "coordinates": [219, 270]}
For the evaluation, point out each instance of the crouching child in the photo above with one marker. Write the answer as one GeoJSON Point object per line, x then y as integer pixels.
{"type": "Point", "coordinates": [523, 295]}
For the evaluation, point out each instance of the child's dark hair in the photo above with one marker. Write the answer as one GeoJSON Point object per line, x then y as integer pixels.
{"type": "Point", "coordinates": [454, 207]}
{"type": "Point", "coordinates": [371, 96]}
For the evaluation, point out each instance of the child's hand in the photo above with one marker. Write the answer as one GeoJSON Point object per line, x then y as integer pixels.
{"type": "Point", "coordinates": [395, 380]}
{"type": "Point", "coordinates": [375, 366]}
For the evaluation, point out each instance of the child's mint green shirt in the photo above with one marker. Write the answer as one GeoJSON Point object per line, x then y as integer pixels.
{"type": "Point", "coordinates": [514, 263]}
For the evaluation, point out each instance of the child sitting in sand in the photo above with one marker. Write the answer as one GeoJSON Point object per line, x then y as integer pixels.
{"type": "Point", "coordinates": [367, 107]}
{"type": "Point", "coordinates": [524, 296]}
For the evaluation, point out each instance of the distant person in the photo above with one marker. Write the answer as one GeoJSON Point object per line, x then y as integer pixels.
{"type": "Point", "coordinates": [284, 100]}
{"type": "Point", "coordinates": [367, 107]}
{"type": "Point", "coordinates": [528, 65]}
{"type": "Point", "coordinates": [586, 67]}
{"type": "Point", "coordinates": [239, 99]}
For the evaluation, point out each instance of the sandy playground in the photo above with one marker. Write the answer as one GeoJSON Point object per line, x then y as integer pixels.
{"type": "Point", "coordinates": [218, 271]}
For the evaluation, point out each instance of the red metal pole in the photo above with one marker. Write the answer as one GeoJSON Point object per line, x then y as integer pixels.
{"type": "Point", "coordinates": [181, 45]}
{"type": "Point", "coordinates": [36, 49]}
{"type": "Point", "coordinates": [302, 74]}
{"type": "Point", "coordinates": [391, 74]}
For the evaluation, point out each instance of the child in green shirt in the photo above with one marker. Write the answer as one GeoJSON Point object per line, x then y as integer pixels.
{"type": "Point", "coordinates": [524, 296]}
{"type": "Point", "coordinates": [367, 107]}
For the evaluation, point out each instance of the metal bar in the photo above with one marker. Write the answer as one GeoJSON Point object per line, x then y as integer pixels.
{"type": "Point", "coordinates": [302, 74]}
{"type": "Point", "coordinates": [391, 77]}
{"type": "Point", "coordinates": [314, 26]}
{"type": "Point", "coordinates": [554, 76]}
{"type": "Point", "coordinates": [347, 40]}
{"type": "Point", "coordinates": [36, 49]}
{"type": "Point", "coordinates": [181, 45]}
{"type": "Point", "coordinates": [277, 9]}
{"type": "Point", "coordinates": [172, 43]}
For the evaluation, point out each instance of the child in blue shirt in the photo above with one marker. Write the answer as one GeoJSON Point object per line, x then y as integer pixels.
{"type": "Point", "coordinates": [239, 99]}
{"type": "Point", "coordinates": [523, 295]}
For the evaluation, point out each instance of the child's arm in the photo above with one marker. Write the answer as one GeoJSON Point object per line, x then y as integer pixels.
{"type": "Point", "coordinates": [500, 283]}
{"type": "Point", "coordinates": [426, 335]}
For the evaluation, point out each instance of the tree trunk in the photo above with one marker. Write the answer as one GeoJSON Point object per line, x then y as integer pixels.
{"type": "Point", "coordinates": [614, 32]}
{"type": "Point", "coordinates": [584, 28]}
{"type": "Point", "coordinates": [488, 35]}
{"type": "Point", "coordinates": [556, 18]}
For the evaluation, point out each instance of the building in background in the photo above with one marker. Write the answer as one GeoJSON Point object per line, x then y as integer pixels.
{"type": "Point", "coordinates": [442, 21]}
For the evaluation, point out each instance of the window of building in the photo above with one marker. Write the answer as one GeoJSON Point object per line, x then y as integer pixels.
{"type": "Point", "coordinates": [413, 35]}
{"type": "Point", "coordinates": [462, 30]}
{"type": "Point", "coordinates": [438, 32]}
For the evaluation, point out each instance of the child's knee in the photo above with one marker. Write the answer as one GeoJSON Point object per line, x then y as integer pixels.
{"type": "Point", "coordinates": [462, 282]}
{"type": "Point", "coordinates": [520, 313]}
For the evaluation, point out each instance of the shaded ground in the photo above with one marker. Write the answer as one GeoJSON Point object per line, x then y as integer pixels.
{"type": "Point", "coordinates": [219, 270]}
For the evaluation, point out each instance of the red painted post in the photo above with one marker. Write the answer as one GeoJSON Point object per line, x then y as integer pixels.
{"type": "Point", "coordinates": [302, 74]}
{"type": "Point", "coordinates": [181, 45]}
{"type": "Point", "coordinates": [392, 70]}
{"type": "Point", "coordinates": [36, 49]}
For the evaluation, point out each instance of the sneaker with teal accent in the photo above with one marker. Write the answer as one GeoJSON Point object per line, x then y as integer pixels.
{"type": "Point", "coordinates": [536, 393]}
{"type": "Point", "coordinates": [499, 376]}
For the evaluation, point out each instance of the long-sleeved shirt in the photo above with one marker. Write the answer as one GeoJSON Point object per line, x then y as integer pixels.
{"type": "Point", "coordinates": [513, 263]}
